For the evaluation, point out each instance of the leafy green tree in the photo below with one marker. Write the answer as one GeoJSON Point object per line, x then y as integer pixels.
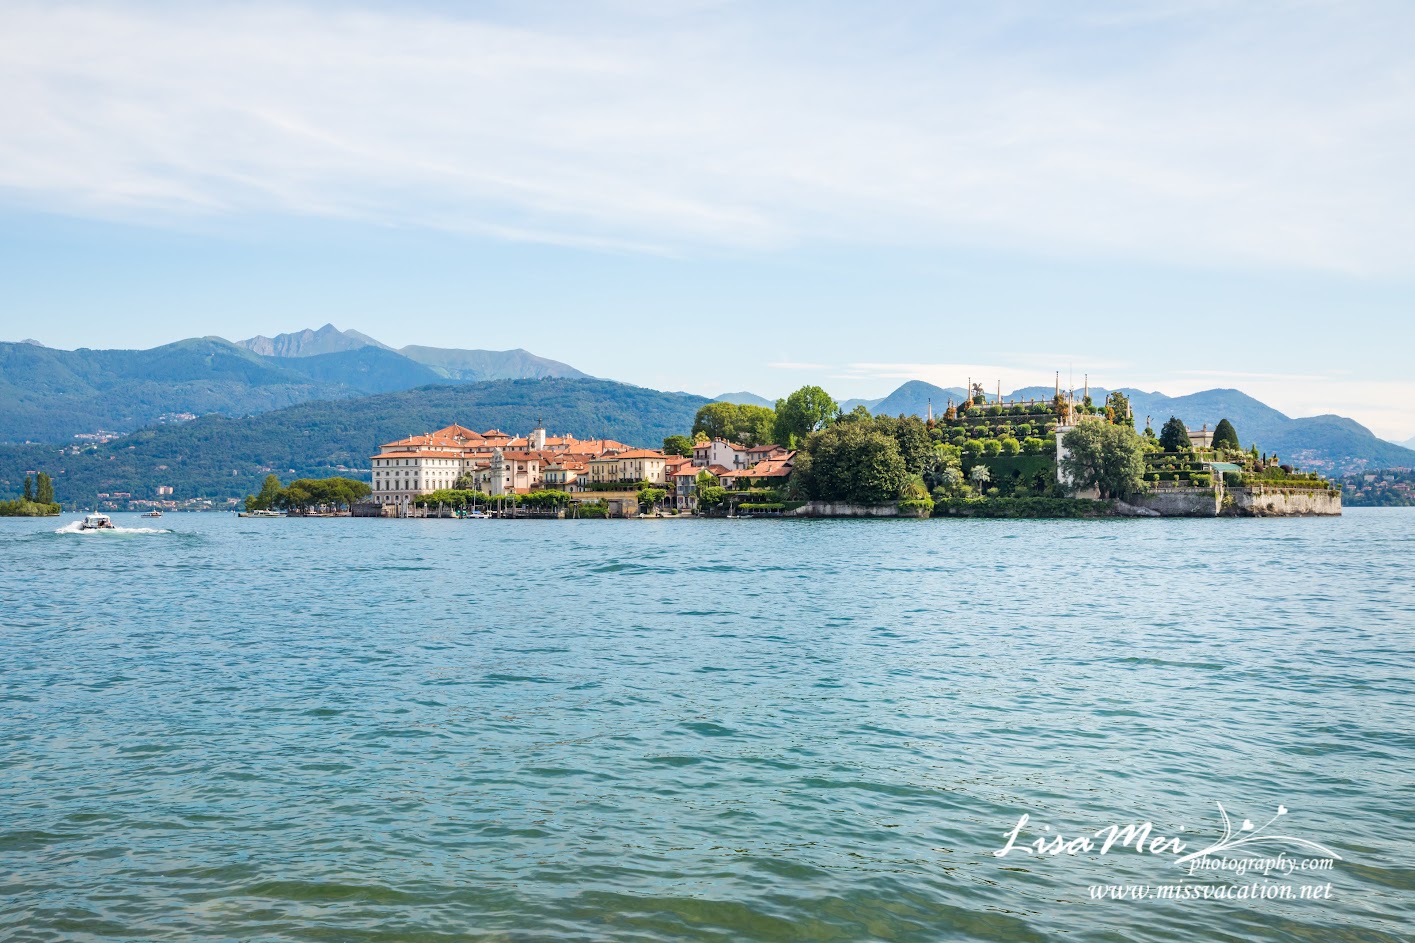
{"type": "Point", "coordinates": [742, 423]}
{"type": "Point", "coordinates": [268, 497]}
{"type": "Point", "coordinates": [951, 480]}
{"type": "Point", "coordinates": [1117, 406]}
{"type": "Point", "coordinates": [711, 497]}
{"type": "Point", "coordinates": [980, 475]}
{"type": "Point", "coordinates": [678, 445]}
{"type": "Point", "coordinates": [1174, 437]}
{"type": "Point", "coordinates": [43, 489]}
{"type": "Point", "coordinates": [310, 493]}
{"type": "Point", "coordinates": [1105, 456]}
{"type": "Point", "coordinates": [650, 498]}
{"type": "Point", "coordinates": [807, 410]}
{"type": "Point", "coordinates": [29, 488]}
{"type": "Point", "coordinates": [911, 434]}
{"type": "Point", "coordinates": [946, 459]}
{"type": "Point", "coordinates": [1010, 446]}
{"type": "Point", "coordinates": [715, 421]}
{"type": "Point", "coordinates": [1033, 445]}
{"type": "Point", "coordinates": [851, 462]}
{"type": "Point", "coordinates": [1225, 436]}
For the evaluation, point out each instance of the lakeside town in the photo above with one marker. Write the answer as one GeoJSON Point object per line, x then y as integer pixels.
{"type": "Point", "coordinates": [986, 456]}
{"type": "Point", "coordinates": [1063, 457]}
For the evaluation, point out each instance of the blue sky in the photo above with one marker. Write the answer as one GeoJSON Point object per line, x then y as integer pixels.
{"type": "Point", "coordinates": [714, 196]}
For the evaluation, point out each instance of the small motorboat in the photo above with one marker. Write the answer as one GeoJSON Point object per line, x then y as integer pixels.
{"type": "Point", "coordinates": [153, 513]}
{"type": "Point", "coordinates": [260, 512]}
{"type": "Point", "coordinates": [96, 522]}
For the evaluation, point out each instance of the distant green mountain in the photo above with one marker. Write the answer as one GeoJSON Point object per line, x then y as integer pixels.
{"type": "Point", "coordinates": [913, 398]}
{"type": "Point", "coordinates": [49, 395]}
{"type": "Point", "coordinates": [219, 457]}
{"type": "Point", "coordinates": [307, 343]}
{"type": "Point", "coordinates": [745, 399]}
{"type": "Point", "coordinates": [463, 366]}
{"type": "Point", "coordinates": [362, 370]}
{"type": "Point", "coordinates": [474, 366]}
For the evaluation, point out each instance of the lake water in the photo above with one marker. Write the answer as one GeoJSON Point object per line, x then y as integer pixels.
{"type": "Point", "coordinates": [369, 730]}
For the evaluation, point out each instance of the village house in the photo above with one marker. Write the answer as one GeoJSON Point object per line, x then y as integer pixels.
{"type": "Point", "coordinates": [1203, 439]}
{"type": "Point", "coordinates": [719, 452]}
{"type": "Point", "coordinates": [495, 461]}
{"type": "Point", "coordinates": [769, 473]}
{"type": "Point", "coordinates": [642, 465]}
{"type": "Point", "coordinates": [564, 475]}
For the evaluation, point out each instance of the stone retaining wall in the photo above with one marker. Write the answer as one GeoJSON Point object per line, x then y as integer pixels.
{"type": "Point", "coordinates": [1236, 502]}
{"type": "Point", "coordinates": [844, 509]}
{"type": "Point", "coordinates": [1266, 502]}
{"type": "Point", "coordinates": [1186, 502]}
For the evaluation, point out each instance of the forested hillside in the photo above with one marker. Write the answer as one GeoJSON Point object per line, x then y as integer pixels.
{"type": "Point", "coordinates": [219, 457]}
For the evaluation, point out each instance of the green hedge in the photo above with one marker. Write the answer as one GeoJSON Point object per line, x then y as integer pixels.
{"type": "Point", "coordinates": [1002, 467]}
{"type": "Point", "coordinates": [22, 508]}
{"type": "Point", "coordinates": [1020, 507]}
{"type": "Point", "coordinates": [620, 485]}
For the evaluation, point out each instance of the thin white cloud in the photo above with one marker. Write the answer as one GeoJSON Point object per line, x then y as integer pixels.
{"type": "Point", "coordinates": [1223, 134]}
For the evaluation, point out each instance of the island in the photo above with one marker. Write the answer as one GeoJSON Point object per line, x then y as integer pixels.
{"type": "Point", "coordinates": [37, 500]}
{"type": "Point", "coordinates": [983, 457]}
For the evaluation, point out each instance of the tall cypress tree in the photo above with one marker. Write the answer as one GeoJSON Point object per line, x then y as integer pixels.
{"type": "Point", "coordinates": [44, 489]}
{"type": "Point", "coordinates": [29, 488]}
{"type": "Point", "coordinates": [1174, 437]}
{"type": "Point", "coordinates": [1225, 436]}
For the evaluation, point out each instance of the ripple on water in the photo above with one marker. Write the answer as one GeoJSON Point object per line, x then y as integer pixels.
{"type": "Point", "coordinates": [720, 731]}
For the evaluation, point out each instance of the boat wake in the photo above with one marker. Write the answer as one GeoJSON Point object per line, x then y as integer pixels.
{"type": "Point", "coordinates": [73, 527]}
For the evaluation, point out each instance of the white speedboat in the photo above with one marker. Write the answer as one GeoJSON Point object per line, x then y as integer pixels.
{"type": "Point", "coordinates": [153, 513]}
{"type": "Point", "coordinates": [260, 512]}
{"type": "Point", "coordinates": [96, 522]}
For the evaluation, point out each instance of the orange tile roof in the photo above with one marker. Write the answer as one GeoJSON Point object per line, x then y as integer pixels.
{"type": "Point", "coordinates": [641, 453]}
{"type": "Point", "coordinates": [458, 432]}
{"type": "Point", "coordinates": [774, 468]}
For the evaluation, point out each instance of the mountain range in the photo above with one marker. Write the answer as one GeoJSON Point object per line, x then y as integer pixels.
{"type": "Point", "coordinates": [1329, 444]}
{"type": "Point", "coordinates": [219, 456]}
{"type": "Point", "coordinates": [49, 395]}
